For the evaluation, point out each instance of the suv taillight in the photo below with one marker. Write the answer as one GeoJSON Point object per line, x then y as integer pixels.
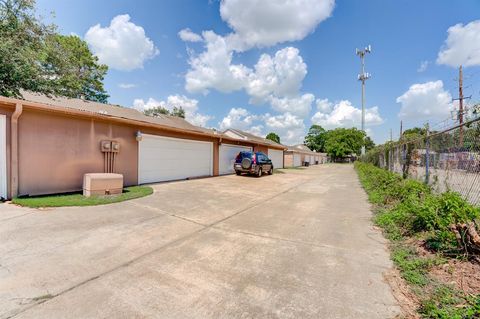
{"type": "Point", "coordinates": [254, 159]}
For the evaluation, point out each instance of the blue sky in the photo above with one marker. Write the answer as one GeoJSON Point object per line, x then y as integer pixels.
{"type": "Point", "coordinates": [266, 66]}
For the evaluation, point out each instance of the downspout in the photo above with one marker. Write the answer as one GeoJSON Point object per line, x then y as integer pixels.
{"type": "Point", "coordinates": [14, 150]}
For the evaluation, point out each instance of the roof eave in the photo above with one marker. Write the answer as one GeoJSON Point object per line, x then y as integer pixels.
{"type": "Point", "coordinates": [72, 111]}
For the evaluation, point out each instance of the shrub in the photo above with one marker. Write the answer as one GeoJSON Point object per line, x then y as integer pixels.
{"type": "Point", "coordinates": [410, 207]}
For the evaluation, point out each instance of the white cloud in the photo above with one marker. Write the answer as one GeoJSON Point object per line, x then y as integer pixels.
{"type": "Point", "coordinates": [275, 79]}
{"type": "Point", "coordinates": [280, 75]}
{"type": "Point", "coordinates": [239, 118]}
{"type": "Point", "coordinates": [425, 101]}
{"type": "Point", "coordinates": [127, 85]}
{"type": "Point", "coordinates": [324, 105]}
{"type": "Point", "coordinates": [265, 23]}
{"type": "Point", "coordinates": [344, 114]}
{"type": "Point", "coordinates": [423, 66]}
{"type": "Point", "coordinates": [300, 106]}
{"type": "Point", "coordinates": [214, 69]}
{"type": "Point", "coordinates": [122, 45]}
{"type": "Point", "coordinates": [257, 130]}
{"type": "Point", "coordinates": [256, 23]}
{"type": "Point", "coordinates": [289, 127]}
{"type": "Point", "coordinates": [141, 105]}
{"type": "Point", "coordinates": [189, 105]}
{"type": "Point", "coordinates": [188, 36]}
{"type": "Point", "coordinates": [198, 119]}
{"type": "Point", "coordinates": [462, 46]}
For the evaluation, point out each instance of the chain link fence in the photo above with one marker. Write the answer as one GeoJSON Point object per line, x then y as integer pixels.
{"type": "Point", "coordinates": [446, 160]}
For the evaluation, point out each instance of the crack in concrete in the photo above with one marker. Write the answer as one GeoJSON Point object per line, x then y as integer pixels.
{"type": "Point", "coordinates": [156, 250]}
{"type": "Point", "coordinates": [18, 216]}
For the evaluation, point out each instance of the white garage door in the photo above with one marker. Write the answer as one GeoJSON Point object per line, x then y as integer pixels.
{"type": "Point", "coordinates": [227, 155]}
{"type": "Point", "coordinates": [165, 159]}
{"type": "Point", "coordinates": [312, 160]}
{"type": "Point", "coordinates": [277, 157]}
{"type": "Point", "coordinates": [3, 156]}
{"type": "Point", "coordinates": [297, 161]}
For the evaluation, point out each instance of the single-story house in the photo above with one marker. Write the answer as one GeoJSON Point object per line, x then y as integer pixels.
{"type": "Point", "coordinates": [300, 154]}
{"type": "Point", "coordinates": [47, 144]}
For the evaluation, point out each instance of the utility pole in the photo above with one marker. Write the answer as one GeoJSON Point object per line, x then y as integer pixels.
{"type": "Point", "coordinates": [401, 128]}
{"type": "Point", "coordinates": [363, 77]}
{"type": "Point", "coordinates": [461, 109]}
{"type": "Point", "coordinates": [460, 104]}
{"type": "Point", "coordinates": [391, 135]}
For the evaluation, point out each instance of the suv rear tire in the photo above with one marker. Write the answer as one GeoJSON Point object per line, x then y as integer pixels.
{"type": "Point", "coordinates": [238, 173]}
{"type": "Point", "coordinates": [270, 172]}
{"type": "Point", "coordinates": [259, 173]}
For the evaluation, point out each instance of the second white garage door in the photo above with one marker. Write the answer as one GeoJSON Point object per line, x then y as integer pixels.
{"type": "Point", "coordinates": [227, 155]}
{"type": "Point", "coordinates": [165, 159]}
{"type": "Point", "coordinates": [277, 157]}
{"type": "Point", "coordinates": [3, 156]}
{"type": "Point", "coordinates": [297, 160]}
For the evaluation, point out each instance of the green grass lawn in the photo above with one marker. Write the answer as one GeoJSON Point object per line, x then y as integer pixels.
{"type": "Point", "coordinates": [77, 199]}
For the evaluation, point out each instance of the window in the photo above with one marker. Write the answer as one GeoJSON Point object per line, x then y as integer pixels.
{"type": "Point", "coordinates": [262, 157]}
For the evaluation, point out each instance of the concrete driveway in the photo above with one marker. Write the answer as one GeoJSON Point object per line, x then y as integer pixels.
{"type": "Point", "coordinates": [293, 245]}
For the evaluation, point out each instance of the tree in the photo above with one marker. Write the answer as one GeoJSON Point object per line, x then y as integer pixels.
{"type": "Point", "coordinates": [369, 144]}
{"type": "Point", "coordinates": [22, 37]}
{"type": "Point", "coordinates": [34, 57]}
{"type": "Point", "coordinates": [413, 133]}
{"type": "Point", "coordinates": [273, 137]}
{"type": "Point", "coordinates": [315, 139]}
{"type": "Point", "coordinates": [156, 111]}
{"type": "Point", "coordinates": [178, 111]}
{"type": "Point", "coordinates": [73, 69]}
{"type": "Point", "coordinates": [160, 110]}
{"type": "Point", "coordinates": [342, 142]}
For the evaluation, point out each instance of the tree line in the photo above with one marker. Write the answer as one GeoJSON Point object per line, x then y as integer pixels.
{"type": "Point", "coordinates": [337, 143]}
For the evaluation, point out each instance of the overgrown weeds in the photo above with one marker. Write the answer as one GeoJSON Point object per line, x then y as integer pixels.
{"type": "Point", "coordinates": [408, 209]}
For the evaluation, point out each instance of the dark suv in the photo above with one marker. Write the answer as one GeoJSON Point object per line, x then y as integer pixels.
{"type": "Point", "coordinates": [253, 163]}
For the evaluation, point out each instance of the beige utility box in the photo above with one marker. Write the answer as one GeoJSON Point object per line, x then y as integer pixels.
{"type": "Point", "coordinates": [102, 184]}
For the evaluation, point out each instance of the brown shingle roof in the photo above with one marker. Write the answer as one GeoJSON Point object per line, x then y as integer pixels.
{"type": "Point", "coordinates": [302, 148]}
{"type": "Point", "coordinates": [254, 138]}
{"type": "Point", "coordinates": [109, 110]}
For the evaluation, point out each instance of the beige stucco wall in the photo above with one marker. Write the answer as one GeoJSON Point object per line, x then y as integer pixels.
{"type": "Point", "coordinates": [260, 148]}
{"type": "Point", "coordinates": [287, 159]}
{"type": "Point", "coordinates": [55, 151]}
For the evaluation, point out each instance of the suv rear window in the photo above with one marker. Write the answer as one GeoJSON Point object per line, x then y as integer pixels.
{"type": "Point", "coordinates": [243, 155]}
{"type": "Point", "coordinates": [246, 154]}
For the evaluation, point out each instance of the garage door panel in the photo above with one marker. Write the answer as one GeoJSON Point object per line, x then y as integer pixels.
{"type": "Point", "coordinates": [163, 159]}
{"type": "Point", "coordinates": [297, 161]}
{"type": "Point", "coordinates": [277, 157]}
{"type": "Point", "coordinates": [227, 155]}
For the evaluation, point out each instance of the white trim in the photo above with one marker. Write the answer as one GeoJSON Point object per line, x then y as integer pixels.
{"type": "Point", "coordinates": [3, 156]}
